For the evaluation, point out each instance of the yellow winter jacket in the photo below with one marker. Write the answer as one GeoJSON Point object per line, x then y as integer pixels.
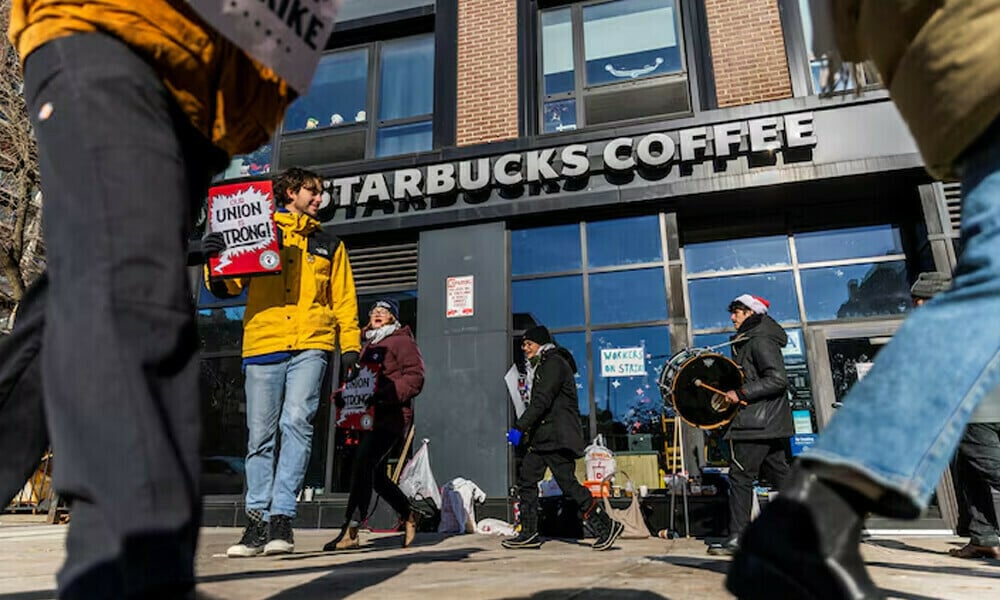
{"type": "Point", "coordinates": [939, 60]}
{"type": "Point", "coordinates": [233, 100]}
{"type": "Point", "coordinates": [309, 303]}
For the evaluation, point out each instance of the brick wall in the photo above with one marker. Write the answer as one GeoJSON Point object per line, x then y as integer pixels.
{"type": "Point", "coordinates": [487, 71]}
{"type": "Point", "coordinates": [748, 51]}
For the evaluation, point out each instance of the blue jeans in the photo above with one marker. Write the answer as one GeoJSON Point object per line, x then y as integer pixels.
{"type": "Point", "coordinates": [282, 397]}
{"type": "Point", "coordinates": [900, 425]}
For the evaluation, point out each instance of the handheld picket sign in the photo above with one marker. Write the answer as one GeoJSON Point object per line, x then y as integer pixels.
{"type": "Point", "coordinates": [286, 35]}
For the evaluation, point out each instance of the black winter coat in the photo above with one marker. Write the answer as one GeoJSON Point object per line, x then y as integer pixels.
{"type": "Point", "coordinates": [552, 418]}
{"type": "Point", "coordinates": [765, 388]}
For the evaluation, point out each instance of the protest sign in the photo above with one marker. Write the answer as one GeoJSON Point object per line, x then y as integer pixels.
{"type": "Point", "coordinates": [357, 396]}
{"type": "Point", "coordinates": [242, 213]}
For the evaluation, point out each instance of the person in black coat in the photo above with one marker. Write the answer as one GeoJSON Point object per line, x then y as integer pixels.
{"type": "Point", "coordinates": [758, 436]}
{"type": "Point", "coordinates": [550, 428]}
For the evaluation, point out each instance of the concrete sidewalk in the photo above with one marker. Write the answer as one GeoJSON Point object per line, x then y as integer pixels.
{"type": "Point", "coordinates": [474, 566]}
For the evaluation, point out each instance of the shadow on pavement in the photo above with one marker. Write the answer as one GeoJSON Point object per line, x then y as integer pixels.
{"type": "Point", "coordinates": [37, 595]}
{"type": "Point", "coordinates": [375, 545]}
{"type": "Point", "coordinates": [592, 594]}
{"type": "Point", "coordinates": [900, 545]}
{"type": "Point", "coordinates": [944, 570]}
{"type": "Point", "coordinates": [715, 565]}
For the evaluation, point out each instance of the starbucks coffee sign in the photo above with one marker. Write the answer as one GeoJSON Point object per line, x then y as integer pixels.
{"type": "Point", "coordinates": [544, 170]}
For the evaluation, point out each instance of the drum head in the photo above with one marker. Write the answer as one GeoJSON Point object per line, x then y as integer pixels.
{"type": "Point", "coordinates": [694, 403]}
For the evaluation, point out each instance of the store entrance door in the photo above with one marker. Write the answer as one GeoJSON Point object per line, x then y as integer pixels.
{"type": "Point", "coordinates": [839, 355]}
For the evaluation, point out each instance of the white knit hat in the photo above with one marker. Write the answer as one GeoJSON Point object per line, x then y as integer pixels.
{"type": "Point", "coordinates": [755, 303]}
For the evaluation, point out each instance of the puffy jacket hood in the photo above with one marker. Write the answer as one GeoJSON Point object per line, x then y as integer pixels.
{"type": "Point", "coordinates": [563, 352]}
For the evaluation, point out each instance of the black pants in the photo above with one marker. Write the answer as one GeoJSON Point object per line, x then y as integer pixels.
{"type": "Point", "coordinates": [531, 471]}
{"type": "Point", "coordinates": [979, 451]}
{"type": "Point", "coordinates": [753, 458]}
{"type": "Point", "coordinates": [121, 167]}
{"type": "Point", "coordinates": [369, 472]}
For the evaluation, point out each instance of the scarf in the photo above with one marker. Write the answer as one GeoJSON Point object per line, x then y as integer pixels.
{"type": "Point", "coordinates": [374, 336]}
{"type": "Point", "coordinates": [532, 364]}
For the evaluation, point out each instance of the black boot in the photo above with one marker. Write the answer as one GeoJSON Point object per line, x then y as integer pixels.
{"type": "Point", "coordinates": [528, 538]}
{"type": "Point", "coordinates": [804, 545]}
{"type": "Point", "coordinates": [606, 528]}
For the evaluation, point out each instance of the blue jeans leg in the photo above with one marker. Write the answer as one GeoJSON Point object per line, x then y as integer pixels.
{"type": "Point", "coordinates": [899, 426]}
{"type": "Point", "coordinates": [265, 387]}
{"type": "Point", "coordinates": [302, 385]}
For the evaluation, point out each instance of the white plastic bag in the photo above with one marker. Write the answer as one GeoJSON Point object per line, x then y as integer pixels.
{"type": "Point", "coordinates": [417, 479]}
{"type": "Point", "coordinates": [495, 527]}
{"type": "Point", "coordinates": [600, 460]}
{"type": "Point", "coordinates": [458, 511]}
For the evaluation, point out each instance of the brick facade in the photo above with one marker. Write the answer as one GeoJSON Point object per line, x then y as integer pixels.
{"type": "Point", "coordinates": [748, 51]}
{"type": "Point", "coordinates": [487, 71]}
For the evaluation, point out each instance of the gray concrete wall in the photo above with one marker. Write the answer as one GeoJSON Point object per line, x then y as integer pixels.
{"type": "Point", "coordinates": [464, 406]}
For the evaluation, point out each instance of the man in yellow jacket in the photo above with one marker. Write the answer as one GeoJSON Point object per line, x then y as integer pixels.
{"type": "Point", "coordinates": [134, 105]}
{"type": "Point", "coordinates": [290, 327]}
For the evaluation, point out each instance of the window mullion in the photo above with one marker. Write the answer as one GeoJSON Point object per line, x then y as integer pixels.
{"type": "Point", "coordinates": [371, 104]}
{"type": "Point", "coordinates": [579, 70]}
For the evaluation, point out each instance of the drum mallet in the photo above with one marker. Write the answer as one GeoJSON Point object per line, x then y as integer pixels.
{"type": "Point", "coordinates": [702, 384]}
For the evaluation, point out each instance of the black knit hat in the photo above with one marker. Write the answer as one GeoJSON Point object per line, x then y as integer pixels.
{"type": "Point", "coordinates": [389, 304]}
{"type": "Point", "coordinates": [539, 334]}
{"type": "Point", "coordinates": [930, 284]}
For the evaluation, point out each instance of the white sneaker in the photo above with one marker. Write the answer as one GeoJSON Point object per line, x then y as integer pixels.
{"type": "Point", "coordinates": [252, 542]}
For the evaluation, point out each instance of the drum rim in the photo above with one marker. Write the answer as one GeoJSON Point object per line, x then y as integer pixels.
{"type": "Point", "coordinates": [673, 384]}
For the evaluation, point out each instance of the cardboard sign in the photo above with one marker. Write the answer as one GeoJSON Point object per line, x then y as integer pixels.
{"type": "Point", "coordinates": [460, 297]}
{"type": "Point", "coordinates": [623, 362]}
{"type": "Point", "coordinates": [357, 394]}
{"type": "Point", "coordinates": [286, 35]}
{"type": "Point", "coordinates": [243, 214]}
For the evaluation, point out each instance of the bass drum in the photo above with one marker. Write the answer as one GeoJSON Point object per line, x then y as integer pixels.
{"type": "Point", "coordinates": [694, 402]}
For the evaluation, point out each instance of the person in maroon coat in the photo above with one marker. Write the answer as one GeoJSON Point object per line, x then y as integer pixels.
{"type": "Point", "coordinates": [390, 350]}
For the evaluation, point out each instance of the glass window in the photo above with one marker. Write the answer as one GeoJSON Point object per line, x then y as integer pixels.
{"type": "Point", "coordinates": [635, 401]}
{"type": "Point", "coordinates": [545, 250]}
{"type": "Point", "coordinates": [406, 82]}
{"type": "Point", "coordinates": [404, 139]}
{"type": "Point", "coordinates": [221, 329]}
{"type": "Point", "coordinates": [727, 255]}
{"type": "Point", "coordinates": [628, 296]}
{"type": "Point", "coordinates": [710, 297]}
{"type": "Point", "coordinates": [819, 65]}
{"type": "Point", "coordinates": [623, 242]}
{"type": "Point", "coordinates": [257, 162]}
{"type": "Point", "coordinates": [338, 93]}
{"type": "Point", "coordinates": [627, 40]}
{"type": "Point", "coordinates": [559, 115]}
{"type": "Point", "coordinates": [224, 427]}
{"type": "Point", "coordinates": [707, 340]}
{"type": "Point", "coordinates": [856, 291]}
{"type": "Point", "coordinates": [557, 52]}
{"type": "Point", "coordinates": [576, 343]}
{"type": "Point", "coordinates": [206, 297]}
{"type": "Point", "coordinates": [554, 302]}
{"type": "Point", "coordinates": [860, 242]}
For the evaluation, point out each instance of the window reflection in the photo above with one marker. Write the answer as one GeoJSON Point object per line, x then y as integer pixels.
{"type": "Point", "coordinates": [545, 250]}
{"type": "Point", "coordinates": [628, 296]}
{"type": "Point", "coordinates": [221, 329]}
{"type": "Point", "coordinates": [630, 39]}
{"type": "Point", "coordinates": [630, 404]}
{"type": "Point", "coordinates": [711, 297]}
{"type": "Point", "coordinates": [223, 417]}
{"type": "Point", "coordinates": [623, 241]}
{"type": "Point", "coordinates": [559, 115]}
{"type": "Point", "coordinates": [406, 85]}
{"type": "Point", "coordinates": [337, 96]}
{"type": "Point", "coordinates": [257, 162]}
{"type": "Point", "coordinates": [404, 139]}
{"type": "Point", "coordinates": [728, 255]}
{"type": "Point", "coordinates": [554, 302]}
{"type": "Point", "coordinates": [860, 242]}
{"type": "Point", "coordinates": [856, 291]}
{"type": "Point", "coordinates": [557, 51]}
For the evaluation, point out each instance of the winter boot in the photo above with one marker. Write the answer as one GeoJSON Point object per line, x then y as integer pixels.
{"type": "Point", "coordinates": [528, 537]}
{"type": "Point", "coordinates": [279, 536]}
{"type": "Point", "coordinates": [606, 528]}
{"type": "Point", "coordinates": [347, 540]}
{"type": "Point", "coordinates": [410, 528]}
{"type": "Point", "coordinates": [254, 537]}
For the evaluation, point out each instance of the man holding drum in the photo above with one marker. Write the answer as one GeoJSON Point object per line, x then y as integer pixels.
{"type": "Point", "coordinates": [758, 435]}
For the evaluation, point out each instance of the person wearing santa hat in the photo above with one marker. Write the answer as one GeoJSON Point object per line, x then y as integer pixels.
{"type": "Point", "coordinates": [758, 435]}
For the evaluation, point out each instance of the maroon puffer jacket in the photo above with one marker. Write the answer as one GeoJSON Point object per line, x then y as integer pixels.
{"type": "Point", "coordinates": [402, 378]}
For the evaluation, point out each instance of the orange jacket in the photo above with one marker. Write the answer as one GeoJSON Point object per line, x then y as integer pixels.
{"type": "Point", "coordinates": [233, 100]}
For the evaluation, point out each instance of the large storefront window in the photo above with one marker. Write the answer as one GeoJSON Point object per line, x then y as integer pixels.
{"type": "Point", "coordinates": [377, 99]}
{"type": "Point", "coordinates": [631, 64]}
{"type": "Point", "coordinates": [600, 288]}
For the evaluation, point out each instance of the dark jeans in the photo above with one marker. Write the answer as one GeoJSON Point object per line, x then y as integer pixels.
{"type": "Point", "coordinates": [369, 472]}
{"type": "Point", "coordinates": [752, 458]}
{"type": "Point", "coordinates": [979, 450]}
{"type": "Point", "coordinates": [121, 168]}
{"type": "Point", "coordinates": [531, 471]}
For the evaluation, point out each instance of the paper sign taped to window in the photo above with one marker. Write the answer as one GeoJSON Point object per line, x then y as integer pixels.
{"type": "Point", "coordinates": [243, 214]}
{"type": "Point", "coordinates": [286, 35]}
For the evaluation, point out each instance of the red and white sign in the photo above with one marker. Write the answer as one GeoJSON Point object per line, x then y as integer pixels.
{"type": "Point", "coordinates": [243, 214]}
{"type": "Point", "coordinates": [460, 297]}
{"type": "Point", "coordinates": [357, 395]}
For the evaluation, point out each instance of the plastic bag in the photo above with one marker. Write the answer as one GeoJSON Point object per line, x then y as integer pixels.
{"type": "Point", "coordinates": [495, 527]}
{"type": "Point", "coordinates": [600, 460]}
{"type": "Point", "coordinates": [458, 511]}
{"type": "Point", "coordinates": [417, 479]}
{"type": "Point", "coordinates": [548, 488]}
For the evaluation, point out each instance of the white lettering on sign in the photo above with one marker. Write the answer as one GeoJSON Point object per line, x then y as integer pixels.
{"type": "Point", "coordinates": [459, 292]}
{"type": "Point", "coordinates": [244, 220]}
{"type": "Point", "coordinates": [623, 362]}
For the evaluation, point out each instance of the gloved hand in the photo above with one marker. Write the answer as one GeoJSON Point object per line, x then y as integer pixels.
{"type": "Point", "coordinates": [349, 366]}
{"type": "Point", "coordinates": [514, 436]}
{"type": "Point", "coordinates": [338, 400]}
{"type": "Point", "coordinates": [213, 244]}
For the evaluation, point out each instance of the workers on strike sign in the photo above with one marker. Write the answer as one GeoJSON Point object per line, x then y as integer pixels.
{"type": "Point", "coordinates": [242, 213]}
